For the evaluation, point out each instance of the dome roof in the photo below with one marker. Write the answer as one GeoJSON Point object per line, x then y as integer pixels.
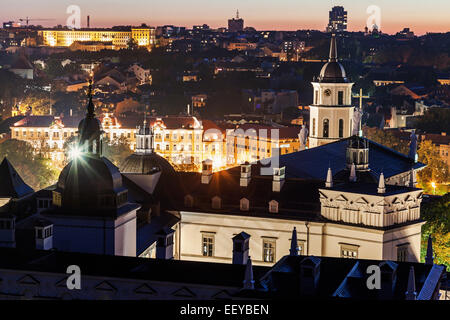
{"type": "Point", "coordinates": [89, 128]}
{"type": "Point", "coordinates": [146, 163]}
{"type": "Point", "coordinates": [91, 182]}
{"type": "Point", "coordinates": [333, 72]}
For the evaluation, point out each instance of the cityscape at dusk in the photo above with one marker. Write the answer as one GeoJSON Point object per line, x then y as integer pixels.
{"type": "Point", "coordinates": [421, 16]}
{"type": "Point", "coordinates": [226, 158]}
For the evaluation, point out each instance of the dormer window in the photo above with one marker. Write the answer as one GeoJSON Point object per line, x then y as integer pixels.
{"type": "Point", "coordinates": [273, 206]}
{"type": "Point", "coordinates": [44, 232]}
{"type": "Point", "coordinates": [189, 201]}
{"type": "Point", "coordinates": [216, 203]}
{"type": "Point", "coordinates": [244, 204]}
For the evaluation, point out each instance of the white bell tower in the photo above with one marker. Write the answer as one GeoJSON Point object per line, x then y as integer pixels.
{"type": "Point", "coordinates": [331, 112]}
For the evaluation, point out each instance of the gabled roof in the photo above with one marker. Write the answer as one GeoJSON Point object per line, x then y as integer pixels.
{"type": "Point", "coordinates": [12, 184]}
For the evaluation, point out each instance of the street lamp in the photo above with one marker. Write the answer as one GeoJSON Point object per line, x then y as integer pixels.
{"type": "Point", "coordinates": [433, 185]}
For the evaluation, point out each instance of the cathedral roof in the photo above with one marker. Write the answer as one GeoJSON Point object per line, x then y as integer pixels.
{"type": "Point", "coordinates": [145, 164]}
{"type": "Point", "coordinates": [90, 184]}
{"type": "Point", "coordinates": [12, 184]}
{"type": "Point", "coordinates": [333, 71]}
{"type": "Point", "coordinates": [312, 163]}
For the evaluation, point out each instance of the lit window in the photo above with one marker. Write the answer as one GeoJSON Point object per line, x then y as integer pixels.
{"type": "Point", "coordinates": [326, 124]}
{"type": "Point", "coordinates": [349, 251]}
{"type": "Point", "coordinates": [208, 245]}
{"type": "Point", "coordinates": [268, 250]}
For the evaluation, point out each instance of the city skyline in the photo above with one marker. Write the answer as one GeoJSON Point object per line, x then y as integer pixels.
{"type": "Point", "coordinates": [286, 15]}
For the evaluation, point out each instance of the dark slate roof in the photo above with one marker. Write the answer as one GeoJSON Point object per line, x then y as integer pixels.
{"type": "Point", "coordinates": [12, 184]}
{"type": "Point", "coordinates": [313, 163]}
{"type": "Point", "coordinates": [172, 271]}
{"type": "Point", "coordinates": [298, 199]}
{"type": "Point", "coordinates": [147, 234]}
{"type": "Point", "coordinates": [371, 188]}
{"type": "Point", "coordinates": [22, 64]}
{"type": "Point", "coordinates": [341, 278]}
{"type": "Point", "coordinates": [5, 125]}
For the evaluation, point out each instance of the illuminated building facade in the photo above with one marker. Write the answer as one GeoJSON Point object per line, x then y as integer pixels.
{"type": "Point", "coordinates": [252, 142]}
{"type": "Point", "coordinates": [144, 36]}
{"type": "Point", "coordinates": [179, 139]}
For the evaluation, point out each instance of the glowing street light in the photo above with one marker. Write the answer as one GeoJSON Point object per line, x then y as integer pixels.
{"type": "Point", "coordinates": [433, 185]}
{"type": "Point", "coordinates": [74, 152]}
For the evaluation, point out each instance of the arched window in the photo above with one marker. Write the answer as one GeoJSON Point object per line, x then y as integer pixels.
{"type": "Point", "coordinates": [341, 128]}
{"type": "Point", "coordinates": [314, 127]}
{"type": "Point", "coordinates": [361, 157]}
{"type": "Point", "coordinates": [326, 124]}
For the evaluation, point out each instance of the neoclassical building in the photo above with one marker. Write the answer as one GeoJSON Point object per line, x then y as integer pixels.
{"type": "Point", "coordinates": [331, 113]}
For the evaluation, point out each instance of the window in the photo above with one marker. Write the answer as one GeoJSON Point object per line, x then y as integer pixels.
{"type": "Point", "coordinates": [208, 245]}
{"type": "Point", "coordinates": [326, 124]}
{"type": "Point", "coordinates": [268, 250]}
{"type": "Point", "coordinates": [341, 128]}
{"type": "Point", "coordinates": [340, 98]}
{"type": "Point", "coordinates": [402, 253]}
{"type": "Point", "coordinates": [349, 251]}
{"type": "Point", "coordinates": [316, 98]}
{"type": "Point", "coordinates": [273, 206]}
{"type": "Point", "coordinates": [245, 204]}
{"type": "Point", "coordinates": [314, 127]}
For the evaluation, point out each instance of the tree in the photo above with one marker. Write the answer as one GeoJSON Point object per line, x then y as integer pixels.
{"type": "Point", "coordinates": [436, 214]}
{"type": "Point", "coordinates": [36, 170]}
{"type": "Point", "coordinates": [132, 44]}
{"type": "Point", "coordinates": [435, 120]}
{"type": "Point", "coordinates": [436, 170]}
{"type": "Point", "coordinates": [116, 150]}
{"type": "Point", "coordinates": [386, 138]}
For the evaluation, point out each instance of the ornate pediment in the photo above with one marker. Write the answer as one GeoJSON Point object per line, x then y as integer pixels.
{"type": "Point", "coordinates": [105, 286]}
{"type": "Point", "coordinates": [341, 197]}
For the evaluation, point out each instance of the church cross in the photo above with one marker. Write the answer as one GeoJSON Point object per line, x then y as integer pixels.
{"type": "Point", "coordinates": [361, 97]}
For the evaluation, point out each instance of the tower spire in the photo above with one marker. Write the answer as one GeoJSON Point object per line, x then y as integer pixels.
{"type": "Point", "coordinates": [249, 283]}
{"type": "Point", "coordinates": [352, 177]}
{"type": "Point", "coordinates": [333, 49]}
{"type": "Point", "coordinates": [381, 184]}
{"type": "Point", "coordinates": [411, 291]}
{"type": "Point", "coordinates": [294, 245]}
{"type": "Point", "coordinates": [329, 182]}
{"type": "Point", "coordinates": [429, 256]}
{"type": "Point", "coordinates": [90, 107]}
{"type": "Point", "coordinates": [237, 14]}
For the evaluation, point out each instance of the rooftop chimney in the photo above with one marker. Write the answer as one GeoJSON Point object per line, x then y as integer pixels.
{"type": "Point", "coordinates": [246, 174]}
{"type": "Point", "coordinates": [164, 244]}
{"type": "Point", "coordinates": [240, 248]}
{"type": "Point", "coordinates": [278, 179]}
{"type": "Point", "coordinates": [206, 171]}
{"type": "Point", "coordinates": [43, 234]}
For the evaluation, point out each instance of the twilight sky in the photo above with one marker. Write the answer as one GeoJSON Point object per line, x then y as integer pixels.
{"type": "Point", "coordinates": [420, 15]}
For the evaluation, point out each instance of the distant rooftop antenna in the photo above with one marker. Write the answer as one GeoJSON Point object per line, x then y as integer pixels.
{"type": "Point", "coordinates": [88, 21]}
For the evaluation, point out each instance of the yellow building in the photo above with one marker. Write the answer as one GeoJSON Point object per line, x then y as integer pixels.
{"type": "Point", "coordinates": [179, 139]}
{"type": "Point", "coordinates": [144, 36]}
{"type": "Point", "coordinates": [253, 142]}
